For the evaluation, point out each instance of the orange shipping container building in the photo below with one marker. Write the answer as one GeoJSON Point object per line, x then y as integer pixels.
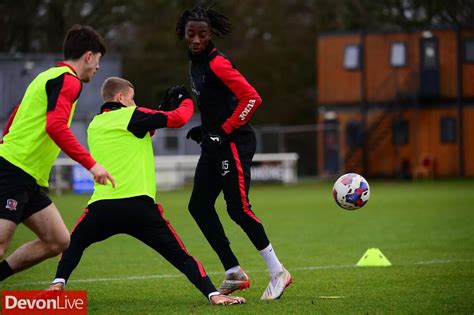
{"type": "Point", "coordinates": [396, 104]}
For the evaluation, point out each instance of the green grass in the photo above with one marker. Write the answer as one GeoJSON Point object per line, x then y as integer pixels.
{"type": "Point", "coordinates": [426, 229]}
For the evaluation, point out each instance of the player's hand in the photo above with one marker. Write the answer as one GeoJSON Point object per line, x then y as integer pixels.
{"type": "Point", "coordinates": [173, 97]}
{"type": "Point", "coordinates": [195, 134]}
{"type": "Point", "coordinates": [213, 141]}
{"type": "Point", "coordinates": [101, 175]}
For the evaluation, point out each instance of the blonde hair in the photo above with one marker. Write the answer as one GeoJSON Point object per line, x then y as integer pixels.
{"type": "Point", "coordinates": [112, 86]}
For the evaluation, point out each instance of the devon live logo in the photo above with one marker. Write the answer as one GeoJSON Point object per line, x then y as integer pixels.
{"type": "Point", "coordinates": [44, 302]}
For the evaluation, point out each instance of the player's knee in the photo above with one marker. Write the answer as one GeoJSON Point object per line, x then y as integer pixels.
{"type": "Point", "coordinates": [59, 245]}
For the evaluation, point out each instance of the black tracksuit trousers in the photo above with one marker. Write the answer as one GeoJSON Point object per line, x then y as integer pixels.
{"type": "Point", "coordinates": [228, 171]}
{"type": "Point", "coordinates": [141, 218]}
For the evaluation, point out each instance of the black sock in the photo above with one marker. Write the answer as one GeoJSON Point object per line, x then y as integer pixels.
{"type": "Point", "coordinates": [5, 270]}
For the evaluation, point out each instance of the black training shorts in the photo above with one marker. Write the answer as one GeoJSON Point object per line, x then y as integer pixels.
{"type": "Point", "coordinates": [20, 195]}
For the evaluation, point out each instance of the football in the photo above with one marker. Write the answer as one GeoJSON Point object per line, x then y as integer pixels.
{"type": "Point", "coordinates": [351, 191]}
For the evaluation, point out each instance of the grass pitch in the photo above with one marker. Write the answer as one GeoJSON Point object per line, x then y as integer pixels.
{"type": "Point", "coordinates": [426, 229]}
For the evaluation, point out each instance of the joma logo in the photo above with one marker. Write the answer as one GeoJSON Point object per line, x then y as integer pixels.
{"type": "Point", "coordinates": [247, 109]}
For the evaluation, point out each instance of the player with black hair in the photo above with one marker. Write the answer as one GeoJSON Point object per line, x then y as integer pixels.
{"type": "Point", "coordinates": [36, 132]}
{"type": "Point", "coordinates": [226, 102]}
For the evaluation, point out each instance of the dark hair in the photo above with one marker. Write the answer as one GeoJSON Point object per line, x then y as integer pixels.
{"type": "Point", "coordinates": [81, 39]}
{"type": "Point", "coordinates": [218, 22]}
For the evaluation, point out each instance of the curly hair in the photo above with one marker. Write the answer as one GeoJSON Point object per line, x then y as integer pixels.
{"type": "Point", "coordinates": [218, 22]}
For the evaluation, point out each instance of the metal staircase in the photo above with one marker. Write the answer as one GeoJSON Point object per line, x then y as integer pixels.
{"type": "Point", "coordinates": [380, 128]}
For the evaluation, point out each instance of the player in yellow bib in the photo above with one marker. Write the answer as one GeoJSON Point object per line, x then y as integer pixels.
{"type": "Point", "coordinates": [35, 133]}
{"type": "Point", "coordinates": [120, 138]}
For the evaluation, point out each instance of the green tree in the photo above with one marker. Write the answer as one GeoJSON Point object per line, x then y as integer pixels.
{"type": "Point", "coordinates": [272, 43]}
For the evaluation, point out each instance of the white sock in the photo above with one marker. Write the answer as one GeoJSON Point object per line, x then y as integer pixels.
{"type": "Point", "coordinates": [59, 280]}
{"type": "Point", "coordinates": [232, 270]}
{"type": "Point", "coordinates": [273, 264]}
{"type": "Point", "coordinates": [212, 294]}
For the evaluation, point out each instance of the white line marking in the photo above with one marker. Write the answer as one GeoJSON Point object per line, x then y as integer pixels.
{"type": "Point", "coordinates": [440, 261]}
{"type": "Point", "coordinates": [168, 276]}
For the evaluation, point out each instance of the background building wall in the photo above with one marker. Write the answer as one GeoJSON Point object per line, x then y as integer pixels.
{"type": "Point", "coordinates": [393, 94]}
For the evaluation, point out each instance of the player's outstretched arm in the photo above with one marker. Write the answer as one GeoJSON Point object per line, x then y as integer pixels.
{"type": "Point", "coordinates": [145, 120]}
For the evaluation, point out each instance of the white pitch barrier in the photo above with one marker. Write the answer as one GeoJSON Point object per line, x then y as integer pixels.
{"type": "Point", "coordinates": [173, 171]}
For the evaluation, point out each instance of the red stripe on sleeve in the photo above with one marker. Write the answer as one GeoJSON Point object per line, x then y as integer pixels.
{"type": "Point", "coordinates": [10, 121]}
{"type": "Point", "coordinates": [248, 97]}
{"type": "Point", "coordinates": [176, 118]}
{"type": "Point", "coordinates": [181, 115]}
{"type": "Point", "coordinates": [57, 123]}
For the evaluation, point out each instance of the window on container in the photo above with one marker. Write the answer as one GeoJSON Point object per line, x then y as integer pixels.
{"type": "Point", "coordinates": [398, 54]}
{"type": "Point", "coordinates": [448, 130]}
{"type": "Point", "coordinates": [352, 57]}
{"type": "Point", "coordinates": [400, 132]}
{"type": "Point", "coordinates": [469, 50]}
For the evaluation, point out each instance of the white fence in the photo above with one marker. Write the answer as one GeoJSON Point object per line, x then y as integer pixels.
{"type": "Point", "coordinates": [174, 171]}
